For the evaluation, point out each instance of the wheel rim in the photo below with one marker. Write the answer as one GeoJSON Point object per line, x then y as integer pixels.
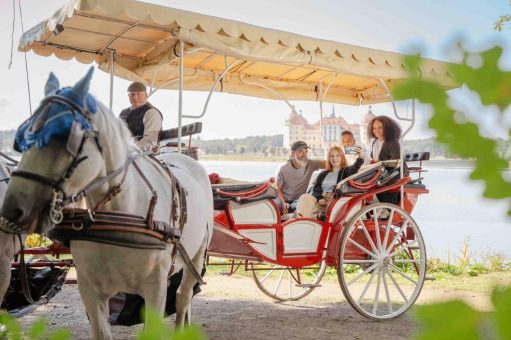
{"type": "Point", "coordinates": [287, 283]}
{"type": "Point", "coordinates": [381, 274]}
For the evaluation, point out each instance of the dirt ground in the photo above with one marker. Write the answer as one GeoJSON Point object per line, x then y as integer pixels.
{"type": "Point", "coordinates": [234, 308]}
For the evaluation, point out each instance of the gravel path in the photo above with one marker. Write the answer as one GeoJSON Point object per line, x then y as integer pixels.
{"type": "Point", "coordinates": [234, 308]}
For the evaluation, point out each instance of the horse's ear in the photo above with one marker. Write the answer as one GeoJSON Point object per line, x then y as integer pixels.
{"type": "Point", "coordinates": [52, 84]}
{"type": "Point", "coordinates": [82, 87]}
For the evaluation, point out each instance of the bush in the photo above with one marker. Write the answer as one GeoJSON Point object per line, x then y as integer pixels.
{"type": "Point", "coordinates": [496, 262]}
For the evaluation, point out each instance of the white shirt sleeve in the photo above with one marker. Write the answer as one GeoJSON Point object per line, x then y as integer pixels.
{"type": "Point", "coordinates": [152, 127]}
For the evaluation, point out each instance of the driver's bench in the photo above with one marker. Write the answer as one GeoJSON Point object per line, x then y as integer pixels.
{"type": "Point", "coordinates": [167, 141]}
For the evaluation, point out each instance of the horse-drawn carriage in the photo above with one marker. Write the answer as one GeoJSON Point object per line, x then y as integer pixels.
{"type": "Point", "coordinates": [377, 248]}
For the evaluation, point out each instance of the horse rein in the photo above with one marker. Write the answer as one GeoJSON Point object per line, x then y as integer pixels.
{"type": "Point", "coordinates": [60, 199]}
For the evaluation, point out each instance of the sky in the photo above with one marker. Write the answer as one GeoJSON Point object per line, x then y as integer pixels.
{"type": "Point", "coordinates": [430, 26]}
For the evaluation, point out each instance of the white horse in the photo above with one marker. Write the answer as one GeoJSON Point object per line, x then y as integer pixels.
{"type": "Point", "coordinates": [102, 156]}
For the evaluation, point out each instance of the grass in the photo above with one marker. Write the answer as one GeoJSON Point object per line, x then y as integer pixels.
{"type": "Point", "coordinates": [465, 271]}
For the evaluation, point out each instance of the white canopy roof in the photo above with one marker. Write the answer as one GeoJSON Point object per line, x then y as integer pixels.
{"type": "Point", "coordinates": [144, 39]}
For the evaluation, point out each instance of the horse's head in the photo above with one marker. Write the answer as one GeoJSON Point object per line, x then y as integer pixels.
{"type": "Point", "coordinates": [61, 155]}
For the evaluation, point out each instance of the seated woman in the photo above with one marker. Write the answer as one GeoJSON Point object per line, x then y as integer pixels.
{"type": "Point", "coordinates": [385, 134]}
{"type": "Point", "coordinates": [337, 169]}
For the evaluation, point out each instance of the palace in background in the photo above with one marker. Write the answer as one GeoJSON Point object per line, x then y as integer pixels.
{"type": "Point", "coordinates": [298, 128]}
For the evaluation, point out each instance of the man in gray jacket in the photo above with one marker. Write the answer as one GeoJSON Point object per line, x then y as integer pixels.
{"type": "Point", "coordinates": [294, 176]}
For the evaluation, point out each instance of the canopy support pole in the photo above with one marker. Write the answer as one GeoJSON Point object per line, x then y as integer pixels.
{"type": "Point", "coordinates": [321, 99]}
{"type": "Point", "coordinates": [180, 109]}
{"type": "Point", "coordinates": [169, 82]}
{"type": "Point", "coordinates": [401, 140]}
{"type": "Point", "coordinates": [227, 68]}
{"type": "Point", "coordinates": [269, 89]}
{"type": "Point", "coordinates": [112, 71]}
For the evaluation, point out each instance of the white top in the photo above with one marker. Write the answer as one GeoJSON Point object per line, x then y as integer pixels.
{"type": "Point", "coordinates": [329, 181]}
{"type": "Point", "coordinates": [376, 149]}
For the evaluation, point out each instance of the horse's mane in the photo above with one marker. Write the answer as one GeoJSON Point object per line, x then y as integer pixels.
{"type": "Point", "coordinates": [110, 127]}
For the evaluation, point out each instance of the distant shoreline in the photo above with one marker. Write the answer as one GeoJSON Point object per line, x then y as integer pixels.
{"type": "Point", "coordinates": [434, 163]}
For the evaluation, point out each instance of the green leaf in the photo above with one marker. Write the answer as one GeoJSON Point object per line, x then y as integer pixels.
{"type": "Point", "coordinates": [464, 139]}
{"type": "Point", "coordinates": [491, 83]}
{"type": "Point", "coordinates": [448, 320]}
{"type": "Point", "coordinates": [192, 332]}
{"type": "Point", "coordinates": [12, 325]}
{"type": "Point", "coordinates": [155, 327]}
{"type": "Point", "coordinates": [60, 334]}
{"type": "Point", "coordinates": [38, 329]}
{"type": "Point", "coordinates": [501, 299]}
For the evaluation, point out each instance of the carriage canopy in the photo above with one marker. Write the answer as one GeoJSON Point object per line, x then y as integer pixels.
{"type": "Point", "coordinates": [144, 40]}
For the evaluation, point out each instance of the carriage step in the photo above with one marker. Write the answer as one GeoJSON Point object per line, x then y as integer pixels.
{"type": "Point", "coordinates": [413, 248]}
{"type": "Point", "coordinates": [308, 285]}
{"type": "Point", "coordinates": [429, 278]}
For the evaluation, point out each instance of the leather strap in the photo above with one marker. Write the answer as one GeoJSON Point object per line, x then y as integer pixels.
{"type": "Point", "coordinates": [38, 178]}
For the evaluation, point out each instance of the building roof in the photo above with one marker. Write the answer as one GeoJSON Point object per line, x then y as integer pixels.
{"type": "Point", "coordinates": [297, 119]}
{"type": "Point", "coordinates": [339, 121]}
{"type": "Point", "coordinates": [368, 117]}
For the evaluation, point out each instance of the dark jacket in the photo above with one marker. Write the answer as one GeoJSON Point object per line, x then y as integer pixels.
{"type": "Point", "coordinates": [346, 172]}
{"type": "Point", "coordinates": [389, 150]}
{"type": "Point", "coordinates": [135, 119]}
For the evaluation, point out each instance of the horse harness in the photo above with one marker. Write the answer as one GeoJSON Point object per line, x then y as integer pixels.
{"type": "Point", "coordinates": [86, 224]}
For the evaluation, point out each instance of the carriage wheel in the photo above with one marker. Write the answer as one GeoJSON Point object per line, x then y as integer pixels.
{"type": "Point", "coordinates": [381, 274]}
{"type": "Point", "coordinates": [287, 283]}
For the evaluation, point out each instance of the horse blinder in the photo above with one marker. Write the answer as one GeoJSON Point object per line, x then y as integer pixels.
{"type": "Point", "coordinates": [75, 139]}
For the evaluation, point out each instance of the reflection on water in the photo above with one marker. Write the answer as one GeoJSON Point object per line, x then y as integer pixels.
{"type": "Point", "coordinates": [452, 211]}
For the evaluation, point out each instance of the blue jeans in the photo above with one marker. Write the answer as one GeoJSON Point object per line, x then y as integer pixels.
{"type": "Point", "coordinates": [291, 208]}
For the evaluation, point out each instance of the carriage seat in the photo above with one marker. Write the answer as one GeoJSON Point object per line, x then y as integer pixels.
{"type": "Point", "coordinates": [168, 140]}
{"type": "Point", "coordinates": [242, 192]}
{"type": "Point", "coordinates": [417, 156]}
{"type": "Point", "coordinates": [389, 170]}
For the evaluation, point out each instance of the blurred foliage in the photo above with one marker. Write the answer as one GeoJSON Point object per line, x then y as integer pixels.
{"type": "Point", "coordinates": [448, 320]}
{"type": "Point", "coordinates": [37, 331]}
{"type": "Point", "coordinates": [453, 129]}
{"type": "Point", "coordinates": [156, 328]}
{"type": "Point", "coordinates": [501, 299]}
{"type": "Point", "coordinates": [457, 320]}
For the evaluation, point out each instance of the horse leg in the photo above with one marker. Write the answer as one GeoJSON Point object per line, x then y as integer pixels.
{"type": "Point", "coordinates": [9, 246]}
{"type": "Point", "coordinates": [96, 305]}
{"type": "Point", "coordinates": [155, 296]}
{"type": "Point", "coordinates": [185, 292]}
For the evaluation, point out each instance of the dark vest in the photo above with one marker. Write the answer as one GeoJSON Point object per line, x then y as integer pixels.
{"type": "Point", "coordinates": [135, 119]}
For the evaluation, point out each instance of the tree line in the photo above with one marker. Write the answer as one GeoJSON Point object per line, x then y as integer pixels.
{"type": "Point", "coordinates": [273, 145]}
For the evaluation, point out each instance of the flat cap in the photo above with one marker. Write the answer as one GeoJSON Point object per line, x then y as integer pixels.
{"type": "Point", "coordinates": [137, 87]}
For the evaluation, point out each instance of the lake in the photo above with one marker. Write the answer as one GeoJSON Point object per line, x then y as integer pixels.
{"type": "Point", "coordinates": [453, 211]}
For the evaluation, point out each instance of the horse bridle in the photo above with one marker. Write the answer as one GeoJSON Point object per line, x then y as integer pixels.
{"type": "Point", "coordinates": [75, 142]}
